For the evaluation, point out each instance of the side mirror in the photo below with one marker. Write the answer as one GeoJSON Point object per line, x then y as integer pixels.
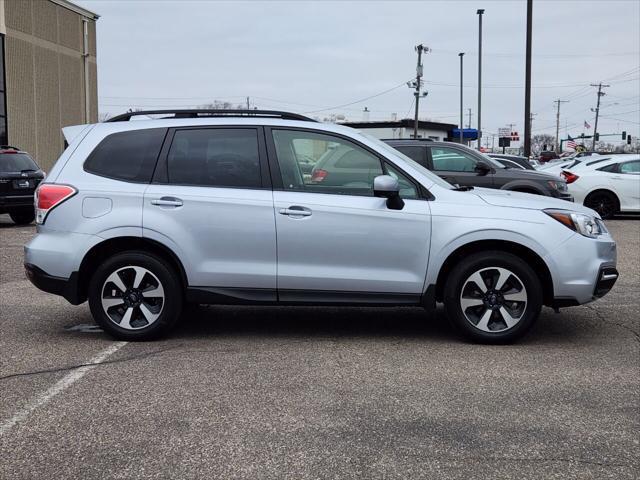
{"type": "Point", "coordinates": [385, 186]}
{"type": "Point", "coordinates": [482, 168]}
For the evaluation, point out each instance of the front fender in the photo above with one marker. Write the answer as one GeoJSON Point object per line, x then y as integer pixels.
{"type": "Point", "coordinates": [523, 184]}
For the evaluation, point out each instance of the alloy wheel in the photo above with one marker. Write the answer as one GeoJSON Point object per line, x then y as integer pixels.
{"type": "Point", "coordinates": [132, 297]}
{"type": "Point", "coordinates": [493, 299]}
{"type": "Point", "coordinates": [604, 204]}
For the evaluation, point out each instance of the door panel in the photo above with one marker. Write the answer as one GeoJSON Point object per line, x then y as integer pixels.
{"type": "Point", "coordinates": [351, 244]}
{"type": "Point", "coordinates": [212, 209]}
{"type": "Point", "coordinates": [226, 236]}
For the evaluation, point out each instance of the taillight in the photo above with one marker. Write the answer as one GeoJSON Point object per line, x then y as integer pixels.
{"type": "Point", "coordinates": [569, 177]}
{"type": "Point", "coordinates": [319, 175]}
{"type": "Point", "coordinates": [48, 196]}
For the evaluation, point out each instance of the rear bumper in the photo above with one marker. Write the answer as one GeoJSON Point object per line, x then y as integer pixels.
{"type": "Point", "coordinates": [11, 202]}
{"type": "Point", "coordinates": [65, 287]}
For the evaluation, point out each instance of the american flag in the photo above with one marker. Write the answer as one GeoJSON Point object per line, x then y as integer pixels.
{"type": "Point", "coordinates": [571, 143]}
{"type": "Point", "coordinates": [586, 125]}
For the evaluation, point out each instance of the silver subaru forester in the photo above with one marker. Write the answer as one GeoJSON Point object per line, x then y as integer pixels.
{"type": "Point", "coordinates": [150, 210]}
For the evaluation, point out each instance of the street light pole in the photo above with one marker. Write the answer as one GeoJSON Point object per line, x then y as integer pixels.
{"type": "Point", "coordinates": [527, 84]}
{"type": "Point", "coordinates": [461, 54]}
{"type": "Point", "coordinates": [480, 12]}
{"type": "Point", "coordinates": [419, 49]}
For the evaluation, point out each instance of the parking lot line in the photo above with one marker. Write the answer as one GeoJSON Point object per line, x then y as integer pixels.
{"type": "Point", "coordinates": [60, 386]}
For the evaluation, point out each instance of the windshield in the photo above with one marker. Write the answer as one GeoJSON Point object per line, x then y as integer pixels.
{"type": "Point", "coordinates": [16, 162]}
{"type": "Point", "coordinates": [427, 173]}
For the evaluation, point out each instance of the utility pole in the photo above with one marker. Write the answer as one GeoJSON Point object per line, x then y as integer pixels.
{"type": "Point", "coordinates": [418, 85]}
{"type": "Point", "coordinates": [480, 12]}
{"type": "Point", "coordinates": [527, 84]}
{"type": "Point", "coordinates": [595, 127]}
{"type": "Point", "coordinates": [248, 107]}
{"type": "Point", "coordinates": [530, 127]}
{"type": "Point", "coordinates": [558, 124]}
{"type": "Point", "coordinates": [469, 124]}
{"type": "Point", "coordinates": [461, 54]}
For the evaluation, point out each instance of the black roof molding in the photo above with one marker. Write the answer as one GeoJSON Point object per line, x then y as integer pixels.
{"type": "Point", "coordinates": [204, 113]}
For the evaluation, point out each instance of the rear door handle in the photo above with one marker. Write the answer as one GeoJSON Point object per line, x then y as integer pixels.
{"type": "Point", "coordinates": [167, 202]}
{"type": "Point", "coordinates": [295, 211]}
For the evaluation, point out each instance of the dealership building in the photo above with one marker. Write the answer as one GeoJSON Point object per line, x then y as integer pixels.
{"type": "Point", "coordinates": [48, 74]}
{"type": "Point", "coordinates": [395, 129]}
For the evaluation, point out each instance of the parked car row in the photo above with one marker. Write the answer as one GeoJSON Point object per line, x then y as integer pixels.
{"type": "Point", "coordinates": [141, 217]}
{"type": "Point", "coordinates": [461, 165]}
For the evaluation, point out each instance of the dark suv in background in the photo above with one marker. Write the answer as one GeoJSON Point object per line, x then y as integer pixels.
{"type": "Point", "coordinates": [461, 165]}
{"type": "Point", "coordinates": [19, 177]}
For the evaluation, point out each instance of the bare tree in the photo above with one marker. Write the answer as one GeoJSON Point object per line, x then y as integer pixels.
{"type": "Point", "coordinates": [220, 105]}
{"type": "Point", "coordinates": [539, 141]}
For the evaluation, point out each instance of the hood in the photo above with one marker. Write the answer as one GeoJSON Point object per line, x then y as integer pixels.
{"type": "Point", "coordinates": [533, 174]}
{"type": "Point", "coordinates": [506, 198]}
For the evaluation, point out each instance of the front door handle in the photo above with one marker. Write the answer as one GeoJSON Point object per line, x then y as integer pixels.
{"type": "Point", "coordinates": [167, 202]}
{"type": "Point", "coordinates": [295, 211]}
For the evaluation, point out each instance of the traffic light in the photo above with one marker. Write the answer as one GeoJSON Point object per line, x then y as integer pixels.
{"type": "Point", "coordinates": [624, 135]}
{"type": "Point", "coordinates": [597, 137]}
{"type": "Point", "coordinates": [628, 139]}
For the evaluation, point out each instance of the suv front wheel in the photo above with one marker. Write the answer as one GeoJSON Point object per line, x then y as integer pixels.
{"type": "Point", "coordinates": [493, 297]}
{"type": "Point", "coordinates": [135, 296]}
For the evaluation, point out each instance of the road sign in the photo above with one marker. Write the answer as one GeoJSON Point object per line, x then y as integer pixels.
{"type": "Point", "coordinates": [504, 132]}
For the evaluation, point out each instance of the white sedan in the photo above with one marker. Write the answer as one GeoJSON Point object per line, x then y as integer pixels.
{"type": "Point", "coordinates": [608, 186]}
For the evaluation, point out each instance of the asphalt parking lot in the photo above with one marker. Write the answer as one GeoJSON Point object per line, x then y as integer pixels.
{"type": "Point", "coordinates": [270, 392]}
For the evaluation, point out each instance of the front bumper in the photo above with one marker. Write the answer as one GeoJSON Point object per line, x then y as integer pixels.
{"type": "Point", "coordinates": [563, 195]}
{"type": "Point", "coordinates": [65, 287]}
{"type": "Point", "coordinates": [607, 277]}
{"type": "Point", "coordinates": [583, 269]}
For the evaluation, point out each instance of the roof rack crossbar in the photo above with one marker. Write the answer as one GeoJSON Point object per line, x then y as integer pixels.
{"type": "Point", "coordinates": [196, 113]}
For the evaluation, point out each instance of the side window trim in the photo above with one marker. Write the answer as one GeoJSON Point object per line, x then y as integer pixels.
{"type": "Point", "coordinates": [276, 176]}
{"type": "Point", "coordinates": [161, 173]}
{"type": "Point", "coordinates": [274, 168]}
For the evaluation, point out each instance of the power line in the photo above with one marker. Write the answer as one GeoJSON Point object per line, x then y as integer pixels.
{"type": "Point", "coordinates": [359, 101]}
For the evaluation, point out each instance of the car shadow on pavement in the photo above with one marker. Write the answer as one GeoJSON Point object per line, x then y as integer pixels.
{"type": "Point", "coordinates": [198, 321]}
{"type": "Point", "coordinates": [355, 322]}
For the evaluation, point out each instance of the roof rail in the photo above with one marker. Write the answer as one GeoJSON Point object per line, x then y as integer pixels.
{"type": "Point", "coordinates": [196, 113]}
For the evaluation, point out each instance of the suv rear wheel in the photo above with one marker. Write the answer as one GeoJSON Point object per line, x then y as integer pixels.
{"type": "Point", "coordinates": [135, 296]}
{"type": "Point", "coordinates": [493, 297]}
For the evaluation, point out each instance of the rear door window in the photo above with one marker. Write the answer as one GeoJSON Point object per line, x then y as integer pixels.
{"type": "Point", "coordinates": [215, 157]}
{"type": "Point", "coordinates": [129, 156]}
{"type": "Point", "coordinates": [419, 154]}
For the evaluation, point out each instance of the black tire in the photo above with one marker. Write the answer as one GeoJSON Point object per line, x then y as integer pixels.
{"type": "Point", "coordinates": [604, 202]}
{"type": "Point", "coordinates": [488, 263]}
{"type": "Point", "coordinates": [23, 218]}
{"type": "Point", "coordinates": [169, 307]}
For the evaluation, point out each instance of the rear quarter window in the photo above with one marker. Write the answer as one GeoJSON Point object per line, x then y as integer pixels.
{"type": "Point", "coordinates": [129, 156]}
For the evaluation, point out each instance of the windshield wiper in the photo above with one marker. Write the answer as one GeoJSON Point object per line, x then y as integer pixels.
{"type": "Point", "coordinates": [458, 188]}
{"type": "Point", "coordinates": [28, 170]}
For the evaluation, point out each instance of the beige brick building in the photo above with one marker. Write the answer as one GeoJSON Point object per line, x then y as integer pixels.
{"type": "Point", "coordinates": [48, 74]}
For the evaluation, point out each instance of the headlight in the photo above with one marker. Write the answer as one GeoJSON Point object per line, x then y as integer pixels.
{"type": "Point", "coordinates": [557, 185]}
{"type": "Point", "coordinates": [584, 224]}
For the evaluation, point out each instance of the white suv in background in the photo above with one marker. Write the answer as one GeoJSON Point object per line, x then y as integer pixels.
{"type": "Point", "coordinates": [211, 206]}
